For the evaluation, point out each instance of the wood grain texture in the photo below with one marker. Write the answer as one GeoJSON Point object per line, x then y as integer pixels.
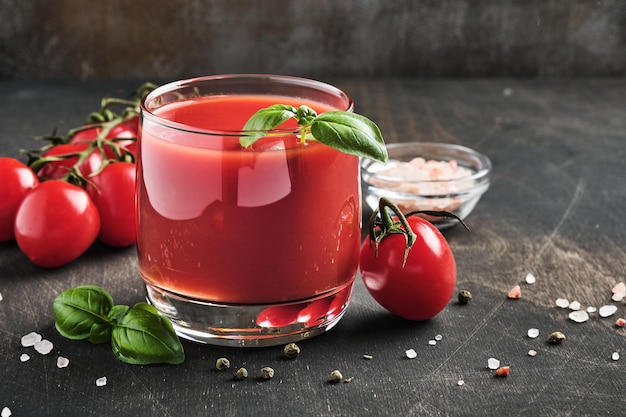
{"type": "Point", "coordinates": [171, 39]}
{"type": "Point", "coordinates": [555, 208]}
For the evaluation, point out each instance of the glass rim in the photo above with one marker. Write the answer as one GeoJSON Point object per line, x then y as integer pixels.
{"type": "Point", "coordinates": [171, 87]}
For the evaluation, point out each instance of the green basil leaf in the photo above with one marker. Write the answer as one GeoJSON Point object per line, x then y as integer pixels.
{"type": "Point", "coordinates": [264, 120]}
{"type": "Point", "coordinates": [143, 337]}
{"type": "Point", "coordinates": [350, 133]}
{"type": "Point", "coordinates": [77, 310]}
{"type": "Point", "coordinates": [305, 115]}
{"type": "Point", "coordinates": [100, 333]}
{"type": "Point", "coordinates": [117, 312]}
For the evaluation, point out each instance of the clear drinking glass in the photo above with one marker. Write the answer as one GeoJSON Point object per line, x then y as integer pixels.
{"type": "Point", "coordinates": [239, 246]}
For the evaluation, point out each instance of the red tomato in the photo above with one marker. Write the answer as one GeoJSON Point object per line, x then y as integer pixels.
{"type": "Point", "coordinates": [125, 135]}
{"type": "Point", "coordinates": [56, 223]}
{"type": "Point", "coordinates": [59, 169]}
{"type": "Point", "coordinates": [421, 288]}
{"type": "Point", "coordinates": [17, 180]}
{"type": "Point", "coordinates": [113, 193]}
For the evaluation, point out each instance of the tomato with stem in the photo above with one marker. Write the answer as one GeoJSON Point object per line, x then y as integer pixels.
{"type": "Point", "coordinates": [406, 263]}
{"type": "Point", "coordinates": [56, 223]}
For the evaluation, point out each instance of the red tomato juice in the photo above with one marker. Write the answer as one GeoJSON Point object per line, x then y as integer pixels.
{"type": "Point", "coordinates": [276, 222]}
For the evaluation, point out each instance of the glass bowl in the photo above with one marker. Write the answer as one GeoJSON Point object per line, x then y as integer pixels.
{"type": "Point", "coordinates": [428, 176]}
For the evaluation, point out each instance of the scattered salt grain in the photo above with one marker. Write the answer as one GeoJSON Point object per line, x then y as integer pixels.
{"type": "Point", "coordinates": [6, 412]}
{"type": "Point", "coordinates": [411, 353]}
{"type": "Point", "coordinates": [591, 309]}
{"type": "Point", "coordinates": [574, 305]}
{"type": "Point", "coordinates": [532, 353]}
{"type": "Point", "coordinates": [1, 298]}
{"type": "Point", "coordinates": [619, 287]}
{"type": "Point", "coordinates": [30, 339]}
{"type": "Point", "coordinates": [44, 346]}
{"type": "Point", "coordinates": [62, 362]}
{"type": "Point", "coordinates": [533, 333]}
{"type": "Point", "coordinates": [432, 342]}
{"type": "Point", "coordinates": [579, 316]}
{"type": "Point", "coordinates": [615, 356]}
{"type": "Point", "coordinates": [438, 338]}
{"type": "Point", "coordinates": [493, 363]}
{"type": "Point", "coordinates": [515, 292]}
{"type": "Point", "coordinates": [24, 357]}
{"type": "Point", "coordinates": [618, 296]}
{"type": "Point", "coordinates": [562, 302]}
{"type": "Point", "coordinates": [620, 322]}
{"type": "Point", "coordinates": [607, 310]}
{"type": "Point", "coordinates": [100, 382]}
{"type": "Point", "coordinates": [460, 382]}
{"type": "Point", "coordinates": [530, 279]}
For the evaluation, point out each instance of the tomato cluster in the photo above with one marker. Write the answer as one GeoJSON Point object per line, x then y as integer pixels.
{"type": "Point", "coordinates": [75, 190]}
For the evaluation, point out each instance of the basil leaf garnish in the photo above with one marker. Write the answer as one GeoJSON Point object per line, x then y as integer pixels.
{"type": "Point", "coordinates": [80, 309]}
{"type": "Point", "coordinates": [347, 132]}
{"type": "Point", "coordinates": [144, 337]}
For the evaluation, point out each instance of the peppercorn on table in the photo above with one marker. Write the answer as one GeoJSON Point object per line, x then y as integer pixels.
{"type": "Point", "coordinates": [541, 335]}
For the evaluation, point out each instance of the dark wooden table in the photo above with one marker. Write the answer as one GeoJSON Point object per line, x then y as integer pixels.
{"type": "Point", "coordinates": [555, 209]}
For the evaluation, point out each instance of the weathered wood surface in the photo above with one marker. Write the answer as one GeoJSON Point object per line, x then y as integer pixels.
{"type": "Point", "coordinates": [555, 209]}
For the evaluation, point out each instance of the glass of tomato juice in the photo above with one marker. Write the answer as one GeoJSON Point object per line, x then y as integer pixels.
{"type": "Point", "coordinates": [244, 246]}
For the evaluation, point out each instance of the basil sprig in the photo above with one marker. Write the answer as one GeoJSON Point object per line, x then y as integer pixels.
{"type": "Point", "coordinates": [138, 335]}
{"type": "Point", "coordinates": [347, 132]}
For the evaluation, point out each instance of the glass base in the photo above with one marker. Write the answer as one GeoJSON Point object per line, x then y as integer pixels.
{"type": "Point", "coordinates": [251, 325]}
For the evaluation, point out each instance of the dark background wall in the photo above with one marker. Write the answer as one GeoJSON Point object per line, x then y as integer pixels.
{"type": "Point", "coordinates": [164, 39]}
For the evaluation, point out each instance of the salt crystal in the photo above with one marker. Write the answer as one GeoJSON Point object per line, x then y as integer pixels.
{"type": "Point", "coordinates": [6, 412]}
{"type": "Point", "coordinates": [533, 333]}
{"type": "Point", "coordinates": [515, 292]}
{"type": "Point", "coordinates": [618, 296]}
{"type": "Point", "coordinates": [615, 356]}
{"type": "Point", "coordinates": [493, 363]}
{"type": "Point", "coordinates": [579, 316]}
{"type": "Point", "coordinates": [432, 342]}
{"type": "Point", "coordinates": [100, 382]}
{"type": "Point", "coordinates": [607, 310]}
{"type": "Point", "coordinates": [532, 353]}
{"type": "Point", "coordinates": [438, 337]}
{"type": "Point", "coordinates": [530, 278]}
{"type": "Point", "coordinates": [411, 353]}
{"type": "Point", "coordinates": [62, 362]}
{"type": "Point", "coordinates": [460, 382]}
{"type": "Point", "coordinates": [574, 305]}
{"type": "Point", "coordinates": [562, 302]}
{"type": "Point", "coordinates": [619, 287]}
{"type": "Point", "coordinates": [591, 309]}
{"type": "Point", "coordinates": [30, 339]}
{"type": "Point", "coordinates": [1, 298]}
{"type": "Point", "coordinates": [44, 346]}
{"type": "Point", "coordinates": [24, 357]}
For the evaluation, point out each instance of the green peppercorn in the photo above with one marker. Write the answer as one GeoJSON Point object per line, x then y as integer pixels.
{"type": "Point", "coordinates": [291, 350]}
{"type": "Point", "coordinates": [267, 373]}
{"type": "Point", "coordinates": [222, 364]}
{"type": "Point", "coordinates": [556, 338]}
{"type": "Point", "coordinates": [241, 374]}
{"type": "Point", "coordinates": [464, 296]}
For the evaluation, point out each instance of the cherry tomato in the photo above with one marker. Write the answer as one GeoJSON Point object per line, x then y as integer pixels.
{"type": "Point", "coordinates": [113, 193]}
{"type": "Point", "coordinates": [56, 223]}
{"type": "Point", "coordinates": [125, 135]}
{"type": "Point", "coordinates": [423, 286]}
{"type": "Point", "coordinates": [16, 180]}
{"type": "Point", "coordinates": [59, 169]}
